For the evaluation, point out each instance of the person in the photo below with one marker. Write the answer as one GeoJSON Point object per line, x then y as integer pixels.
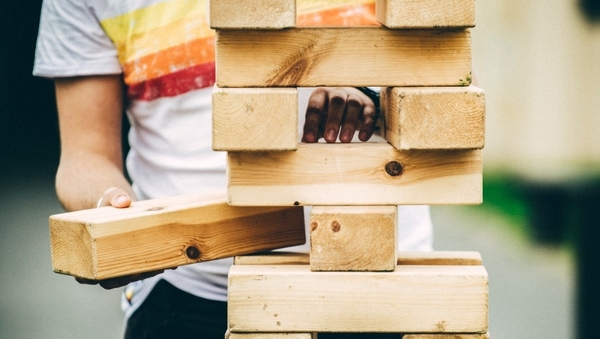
{"type": "Point", "coordinates": [154, 59]}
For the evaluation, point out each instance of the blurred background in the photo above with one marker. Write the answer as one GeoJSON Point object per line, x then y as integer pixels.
{"type": "Point", "coordinates": [538, 229]}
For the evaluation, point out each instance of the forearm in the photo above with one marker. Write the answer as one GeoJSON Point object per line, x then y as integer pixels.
{"type": "Point", "coordinates": [90, 113]}
{"type": "Point", "coordinates": [82, 179]}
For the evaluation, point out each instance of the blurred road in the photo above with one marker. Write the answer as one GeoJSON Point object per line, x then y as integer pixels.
{"type": "Point", "coordinates": [531, 287]}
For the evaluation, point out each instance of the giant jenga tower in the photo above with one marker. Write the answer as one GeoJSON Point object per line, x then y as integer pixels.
{"type": "Point", "coordinates": [433, 121]}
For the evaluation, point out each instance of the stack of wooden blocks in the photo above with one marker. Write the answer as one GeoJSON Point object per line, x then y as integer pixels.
{"type": "Point", "coordinates": [354, 280]}
{"type": "Point", "coordinates": [433, 121]}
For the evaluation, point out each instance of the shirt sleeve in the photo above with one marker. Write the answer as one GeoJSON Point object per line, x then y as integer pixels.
{"type": "Point", "coordinates": [71, 42]}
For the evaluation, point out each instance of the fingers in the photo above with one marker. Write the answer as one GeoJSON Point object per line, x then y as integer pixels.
{"type": "Point", "coordinates": [115, 197]}
{"type": "Point", "coordinates": [339, 111]}
{"type": "Point", "coordinates": [111, 283]}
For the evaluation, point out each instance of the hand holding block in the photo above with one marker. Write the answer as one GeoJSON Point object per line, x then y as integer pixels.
{"type": "Point", "coordinates": [163, 233]}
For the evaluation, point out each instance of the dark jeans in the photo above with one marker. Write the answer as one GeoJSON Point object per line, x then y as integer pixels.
{"type": "Point", "coordinates": [169, 313]}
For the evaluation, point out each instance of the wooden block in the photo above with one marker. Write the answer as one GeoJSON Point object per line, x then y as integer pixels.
{"type": "Point", "coordinates": [255, 119]}
{"type": "Point", "coordinates": [447, 336]}
{"type": "Point", "coordinates": [354, 174]}
{"type": "Point", "coordinates": [404, 258]}
{"type": "Point", "coordinates": [164, 233]}
{"type": "Point", "coordinates": [230, 335]}
{"type": "Point", "coordinates": [412, 299]}
{"type": "Point", "coordinates": [426, 13]}
{"type": "Point", "coordinates": [353, 238]}
{"type": "Point", "coordinates": [434, 117]}
{"type": "Point", "coordinates": [342, 56]}
{"type": "Point", "coordinates": [249, 14]}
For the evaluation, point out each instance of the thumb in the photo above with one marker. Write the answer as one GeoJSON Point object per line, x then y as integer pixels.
{"type": "Point", "coordinates": [115, 197]}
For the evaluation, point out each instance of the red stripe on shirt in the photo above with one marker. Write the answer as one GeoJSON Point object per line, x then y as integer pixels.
{"type": "Point", "coordinates": [176, 83]}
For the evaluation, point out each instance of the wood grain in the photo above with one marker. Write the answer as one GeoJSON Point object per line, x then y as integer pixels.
{"type": "Point", "coordinates": [255, 119]}
{"type": "Point", "coordinates": [451, 258]}
{"type": "Point", "coordinates": [342, 56]}
{"type": "Point", "coordinates": [160, 233]}
{"type": "Point", "coordinates": [403, 14]}
{"type": "Point", "coordinates": [412, 299]}
{"type": "Point", "coordinates": [434, 117]}
{"type": "Point", "coordinates": [354, 174]}
{"type": "Point", "coordinates": [353, 238]}
{"type": "Point", "coordinates": [250, 14]}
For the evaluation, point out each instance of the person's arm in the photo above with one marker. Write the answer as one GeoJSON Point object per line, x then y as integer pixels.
{"type": "Point", "coordinates": [91, 167]}
{"type": "Point", "coordinates": [334, 111]}
{"type": "Point", "coordinates": [90, 173]}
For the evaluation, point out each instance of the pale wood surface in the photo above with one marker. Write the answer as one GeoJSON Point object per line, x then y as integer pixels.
{"type": "Point", "coordinates": [404, 258]}
{"type": "Point", "coordinates": [156, 234]}
{"type": "Point", "coordinates": [353, 238]}
{"type": "Point", "coordinates": [446, 336]}
{"type": "Point", "coordinates": [344, 56]}
{"type": "Point", "coordinates": [426, 13]}
{"type": "Point", "coordinates": [434, 117]}
{"type": "Point", "coordinates": [412, 299]}
{"type": "Point", "coordinates": [255, 119]}
{"type": "Point", "coordinates": [230, 335]}
{"type": "Point", "coordinates": [354, 174]}
{"type": "Point", "coordinates": [248, 14]}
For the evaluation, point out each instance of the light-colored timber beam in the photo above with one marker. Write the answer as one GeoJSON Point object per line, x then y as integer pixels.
{"type": "Point", "coordinates": [354, 174]}
{"type": "Point", "coordinates": [164, 233]}
{"type": "Point", "coordinates": [342, 56]}
{"type": "Point", "coordinates": [255, 119]}
{"type": "Point", "coordinates": [434, 117]}
{"type": "Point", "coordinates": [353, 238]}
{"type": "Point", "coordinates": [405, 14]}
{"type": "Point", "coordinates": [412, 299]}
{"type": "Point", "coordinates": [250, 14]}
{"type": "Point", "coordinates": [443, 258]}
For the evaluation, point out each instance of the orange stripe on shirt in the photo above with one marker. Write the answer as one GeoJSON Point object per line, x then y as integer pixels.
{"type": "Point", "coordinates": [176, 58]}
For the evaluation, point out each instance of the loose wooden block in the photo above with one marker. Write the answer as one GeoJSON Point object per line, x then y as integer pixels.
{"type": "Point", "coordinates": [447, 336]}
{"type": "Point", "coordinates": [426, 13]}
{"type": "Point", "coordinates": [342, 56]}
{"type": "Point", "coordinates": [230, 335]}
{"type": "Point", "coordinates": [354, 174]}
{"type": "Point", "coordinates": [404, 258]}
{"type": "Point", "coordinates": [412, 299]}
{"type": "Point", "coordinates": [255, 119]}
{"type": "Point", "coordinates": [434, 117]}
{"type": "Point", "coordinates": [164, 233]}
{"type": "Point", "coordinates": [353, 238]}
{"type": "Point", "coordinates": [249, 14]}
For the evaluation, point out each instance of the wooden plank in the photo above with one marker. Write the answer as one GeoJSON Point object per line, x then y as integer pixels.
{"type": "Point", "coordinates": [434, 117]}
{"type": "Point", "coordinates": [164, 233]}
{"type": "Point", "coordinates": [255, 119]}
{"type": "Point", "coordinates": [447, 336]}
{"type": "Point", "coordinates": [230, 335]}
{"type": "Point", "coordinates": [404, 258]}
{"type": "Point", "coordinates": [342, 56]}
{"type": "Point", "coordinates": [437, 14]}
{"type": "Point", "coordinates": [354, 174]}
{"type": "Point", "coordinates": [250, 14]}
{"type": "Point", "coordinates": [353, 238]}
{"type": "Point", "coordinates": [412, 299]}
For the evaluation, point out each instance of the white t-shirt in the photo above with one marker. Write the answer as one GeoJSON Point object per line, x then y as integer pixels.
{"type": "Point", "coordinates": [165, 51]}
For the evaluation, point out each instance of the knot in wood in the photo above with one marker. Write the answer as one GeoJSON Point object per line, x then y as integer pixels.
{"type": "Point", "coordinates": [192, 252]}
{"type": "Point", "coordinates": [335, 226]}
{"type": "Point", "coordinates": [394, 168]}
